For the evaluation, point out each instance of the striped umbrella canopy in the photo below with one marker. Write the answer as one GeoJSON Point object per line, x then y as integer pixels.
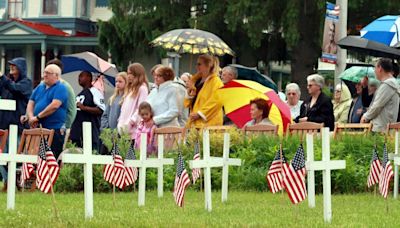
{"type": "Point", "coordinates": [384, 30]}
{"type": "Point", "coordinates": [192, 41]}
{"type": "Point", "coordinates": [237, 94]}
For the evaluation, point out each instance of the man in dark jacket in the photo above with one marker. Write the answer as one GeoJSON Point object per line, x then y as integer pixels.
{"type": "Point", "coordinates": [15, 86]}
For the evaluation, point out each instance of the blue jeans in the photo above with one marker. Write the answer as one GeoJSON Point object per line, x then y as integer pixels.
{"type": "Point", "coordinates": [3, 168]}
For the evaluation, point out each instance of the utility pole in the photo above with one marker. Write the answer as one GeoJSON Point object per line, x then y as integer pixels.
{"type": "Point", "coordinates": [342, 53]}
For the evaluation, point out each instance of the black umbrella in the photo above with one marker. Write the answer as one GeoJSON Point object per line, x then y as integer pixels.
{"type": "Point", "coordinates": [251, 73]}
{"type": "Point", "coordinates": [355, 43]}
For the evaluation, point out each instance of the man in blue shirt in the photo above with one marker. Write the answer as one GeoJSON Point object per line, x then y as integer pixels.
{"type": "Point", "coordinates": [48, 106]}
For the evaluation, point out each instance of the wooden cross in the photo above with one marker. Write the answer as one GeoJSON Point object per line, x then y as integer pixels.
{"type": "Point", "coordinates": [326, 165]}
{"type": "Point", "coordinates": [144, 163]}
{"type": "Point", "coordinates": [211, 162]}
{"type": "Point", "coordinates": [87, 159]}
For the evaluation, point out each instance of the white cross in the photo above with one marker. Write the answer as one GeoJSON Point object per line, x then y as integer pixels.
{"type": "Point", "coordinates": [210, 162]}
{"type": "Point", "coordinates": [12, 157]}
{"type": "Point", "coordinates": [326, 165]}
{"type": "Point", "coordinates": [396, 162]}
{"type": "Point", "coordinates": [226, 161]}
{"type": "Point", "coordinates": [87, 159]}
{"type": "Point", "coordinates": [7, 105]}
{"type": "Point", "coordinates": [144, 163]}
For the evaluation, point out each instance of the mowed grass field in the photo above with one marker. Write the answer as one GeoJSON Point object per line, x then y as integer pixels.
{"type": "Point", "coordinates": [243, 209]}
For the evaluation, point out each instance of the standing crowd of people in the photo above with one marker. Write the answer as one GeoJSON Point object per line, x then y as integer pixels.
{"type": "Point", "coordinates": [137, 107]}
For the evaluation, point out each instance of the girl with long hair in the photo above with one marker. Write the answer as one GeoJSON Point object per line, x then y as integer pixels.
{"type": "Point", "coordinates": [137, 91]}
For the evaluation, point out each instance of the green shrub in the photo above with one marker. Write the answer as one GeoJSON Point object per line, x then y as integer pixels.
{"type": "Point", "coordinates": [257, 154]}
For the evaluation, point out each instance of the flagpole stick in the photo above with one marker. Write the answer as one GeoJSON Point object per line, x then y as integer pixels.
{"type": "Point", "coordinates": [51, 185]}
{"type": "Point", "coordinates": [282, 173]}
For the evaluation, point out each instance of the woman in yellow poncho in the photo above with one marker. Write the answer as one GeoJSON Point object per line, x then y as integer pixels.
{"type": "Point", "coordinates": [205, 109]}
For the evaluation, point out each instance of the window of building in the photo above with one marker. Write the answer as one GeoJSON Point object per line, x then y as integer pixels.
{"type": "Point", "coordinates": [85, 8]}
{"type": "Point", "coordinates": [15, 8]}
{"type": "Point", "coordinates": [50, 7]}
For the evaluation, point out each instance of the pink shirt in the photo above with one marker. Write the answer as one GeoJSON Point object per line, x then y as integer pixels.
{"type": "Point", "coordinates": [148, 129]}
{"type": "Point", "coordinates": [129, 117]}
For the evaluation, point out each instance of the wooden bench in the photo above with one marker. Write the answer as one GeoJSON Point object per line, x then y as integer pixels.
{"type": "Point", "coordinates": [352, 129]}
{"type": "Point", "coordinates": [172, 136]}
{"type": "Point", "coordinates": [304, 128]}
{"type": "Point", "coordinates": [268, 129]}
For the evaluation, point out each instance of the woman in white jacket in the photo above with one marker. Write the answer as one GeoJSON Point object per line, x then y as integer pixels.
{"type": "Point", "coordinates": [164, 98]}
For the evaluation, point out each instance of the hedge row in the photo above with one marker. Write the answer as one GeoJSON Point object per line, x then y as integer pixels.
{"type": "Point", "coordinates": [257, 154]}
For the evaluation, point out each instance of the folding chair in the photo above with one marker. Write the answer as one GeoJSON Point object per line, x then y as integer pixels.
{"type": "Point", "coordinates": [172, 136]}
{"type": "Point", "coordinates": [304, 128]}
{"type": "Point", "coordinates": [352, 129]}
{"type": "Point", "coordinates": [3, 139]}
{"type": "Point", "coordinates": [268, 129]}
{"type": "Point", "coordinates": [29, 144]}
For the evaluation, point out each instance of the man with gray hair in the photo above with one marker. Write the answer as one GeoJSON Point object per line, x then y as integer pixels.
{"type": "Point", "coordinates": [293, 99]}
{"type": "Point", "coordinates": [385, 104]}
{"type": "Point", "coordinates": [229, 73]}
{"type": "Point", "coordinates": [48, 106]}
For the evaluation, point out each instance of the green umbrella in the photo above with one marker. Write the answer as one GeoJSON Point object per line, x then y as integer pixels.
{"type": "Point", "coordinates": [356, 73]}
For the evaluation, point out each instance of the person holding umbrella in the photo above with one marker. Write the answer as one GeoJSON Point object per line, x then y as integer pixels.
{"type": "Point", "coordinates": [385, 105]}
{"type": "Point", "coordinates": [318, 108]}
{"type": "Point", "coordinates": [205, 109]}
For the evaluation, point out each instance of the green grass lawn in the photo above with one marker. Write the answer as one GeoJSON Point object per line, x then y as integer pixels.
{"type": "Point", "coordinates": [242, 209]}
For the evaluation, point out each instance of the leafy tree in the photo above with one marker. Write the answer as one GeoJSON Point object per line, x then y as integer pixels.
{"type": "Point", "coordinates": [297, 22]}
{"type": "Point", "coordinates": [136, 22]}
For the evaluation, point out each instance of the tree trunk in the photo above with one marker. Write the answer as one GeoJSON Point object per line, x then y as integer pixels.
{"type": "Point", "coordinates": [305, 54]}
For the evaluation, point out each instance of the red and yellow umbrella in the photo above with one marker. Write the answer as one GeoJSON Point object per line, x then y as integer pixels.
{"type": "Point", "coordinates": [236, 96]}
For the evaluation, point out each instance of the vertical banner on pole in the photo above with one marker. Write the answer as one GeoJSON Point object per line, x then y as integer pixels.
{"type": "Point", "coordinates": [330, 37]}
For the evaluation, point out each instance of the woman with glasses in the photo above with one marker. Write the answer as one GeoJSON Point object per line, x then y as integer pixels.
{"type": "Point", "coordinates": [318, 107]}
{"type": "Point", "coordinates": [163, 99]}
{"type": "Point", "coordinates": [293, 93]}
{"type": "Point", "coordinates": [205, 110]}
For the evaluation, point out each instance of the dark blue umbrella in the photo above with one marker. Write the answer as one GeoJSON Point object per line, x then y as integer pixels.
{"type": "Point", "coordinates": [384, 30]}
{"type": "Point", "coordinates": [87, 61]}
{"type": "Point", "coordinates": [252, 74]}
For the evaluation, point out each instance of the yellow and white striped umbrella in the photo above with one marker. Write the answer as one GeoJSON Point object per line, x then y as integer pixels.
{"type": "Point", "coordinates": [193, 41]}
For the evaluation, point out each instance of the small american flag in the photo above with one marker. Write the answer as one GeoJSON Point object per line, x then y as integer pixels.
{"type": "Point", "coordinates": [375, 169]}
{"type": "Point", "coordinates": [294, 177]}
{"type": "Point", "coordinates": [274, 175]}
{"type": "Point", "coordinates": [26, 172]}
{"type": "Point", "coordinates": [115, 173]}
{"type": "Point", "coordinates": [196, 172]}
{"type": "Point", "coordinates": [131, 173]}
{"type": "Point", "coordinates": [47, 169]}
{"type": "Point", "coordinates": [386, 175]}
{"type": "Point", "coordinates": [182, 180]}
